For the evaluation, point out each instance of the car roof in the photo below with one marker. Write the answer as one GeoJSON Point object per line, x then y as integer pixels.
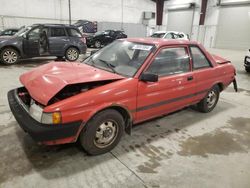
{"type": "Point", "coordinates": [56, 25]}
{"type": "Point", "coordinates": [159, 32]}
{"type": "Point", "coordinates": [161, 41]}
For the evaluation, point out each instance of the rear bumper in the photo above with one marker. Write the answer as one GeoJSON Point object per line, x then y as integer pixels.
{"type": "Point", "coordinates": [83, 49]}
{"type": "Point", "coordinates": [247, 62]}
{"type": "Point", "coordinates": [38, 131]}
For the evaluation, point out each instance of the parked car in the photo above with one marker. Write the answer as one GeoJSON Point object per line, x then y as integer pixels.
{"type": "Point", "coordinates": [43, 40]}
{"type": "Point", "coordinates": [9, 32]}
{"type": "Point", "coordinates": [247, 61]}
{"type": "Point", "coordinates": [126, 82]}
{"type": "Point", "coordinates": [104, 37]}
{"type": "Point", "coordinates": [170, 35]}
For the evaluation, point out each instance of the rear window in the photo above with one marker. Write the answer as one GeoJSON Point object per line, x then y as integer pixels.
{"type": "Point", "coordinates": [74, 33]}
{"type": "Point", "coordinates": [57, 32]}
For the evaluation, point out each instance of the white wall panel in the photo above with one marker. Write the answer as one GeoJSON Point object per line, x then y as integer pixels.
{"type": "Point", "coordinates": [57, 10]}
{"type": "Point", "coordinates": [233, 28]}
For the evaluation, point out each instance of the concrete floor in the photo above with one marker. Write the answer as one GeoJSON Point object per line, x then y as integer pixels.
{"type": "Point", "coordinates": [184, 149]}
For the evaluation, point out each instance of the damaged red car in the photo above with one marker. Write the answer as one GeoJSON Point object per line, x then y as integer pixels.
{"type": "Point", "coordinates": [126, 82]}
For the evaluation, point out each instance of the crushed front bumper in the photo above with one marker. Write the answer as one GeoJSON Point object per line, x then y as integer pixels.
{"type": "Point", "coordinates": [38, 131]}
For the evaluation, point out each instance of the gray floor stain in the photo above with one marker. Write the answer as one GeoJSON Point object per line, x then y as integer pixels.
{"type": "Point", "coordinates": [220, 142]}
{"type": "Point", "coordinates": [155, 155]}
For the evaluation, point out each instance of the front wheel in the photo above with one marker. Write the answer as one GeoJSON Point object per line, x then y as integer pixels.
{"type": "Point", "coordinates": [102, 132]}
{"type": "Point", "coordinates": [247, 69]}
{"type": "Point", "coordinates": [9, 56]}
{"type": "Point", "coordinates": [72, 54]}
{"type": "Point", "coordinates": [209, 102]}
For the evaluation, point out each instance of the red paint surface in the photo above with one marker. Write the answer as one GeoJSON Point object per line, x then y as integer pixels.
{"type": "Point", "coordinates": [128, 93]}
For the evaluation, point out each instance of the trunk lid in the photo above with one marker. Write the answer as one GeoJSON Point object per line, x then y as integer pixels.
{"type": "Point", "coordinates": [220, 60]}
{"type": "Point", "coordinates": [46, 81]}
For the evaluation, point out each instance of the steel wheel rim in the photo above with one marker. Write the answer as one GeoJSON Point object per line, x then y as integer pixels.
{"type": "Point", "coordinates": [211, 99]}
{"type": "Point", "coordinates": [10, 56]}
{"type": "Point", "coordinates": [72, 54]}
{"type": "Point", "coordinates": [106, 134]}
{"type": "Point", "coordinates": [98, 44]}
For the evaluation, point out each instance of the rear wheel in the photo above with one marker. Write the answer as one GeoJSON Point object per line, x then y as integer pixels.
{"type": "Point", "coordinates": [72, 54]}
{"type": "Point", "coordinates": [103, 132]}
{"type": "Point", "coordinates": [209, 102]}
{"type": "Point", "coordinates": [9, 56]}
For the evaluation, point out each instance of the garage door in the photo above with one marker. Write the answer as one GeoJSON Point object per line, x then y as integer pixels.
{"type": "Point", "coordinates": [180, 20]}
{"type": "Point", "coordinates": [130, 29]}
{"type": "Point", "coordinates": [233, 28]}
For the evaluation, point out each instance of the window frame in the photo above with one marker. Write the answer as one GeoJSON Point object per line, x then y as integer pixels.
{"type": "Point", "coordinates": [50, 32]}
{"type": "Point", "coordinates": [185, 47]}
{"type": "Point", "coordinates": [191, 55]}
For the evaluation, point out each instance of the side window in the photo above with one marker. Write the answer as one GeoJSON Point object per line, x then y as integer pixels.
{"type": "Point", "coordinates": [170, 61]}
{"type": "Point", "coordinates": [199, 59]}
{"type": "Point", "coordinates": [34, 34]}
{"type": "Point", "coordinates": [169, 36]}
{"type": "Point", "coordinates": [74, 33]}
{"type": "Point", "coordinates": [57, 32]}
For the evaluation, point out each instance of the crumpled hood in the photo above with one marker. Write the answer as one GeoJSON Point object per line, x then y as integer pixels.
{"type": "Point", "coordinates": [46, 81]}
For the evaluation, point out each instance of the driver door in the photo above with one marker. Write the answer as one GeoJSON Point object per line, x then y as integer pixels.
{"type": "Point", "coordinates": [31, 43]}
{"type": "Point", "coordinates": [175, 88]}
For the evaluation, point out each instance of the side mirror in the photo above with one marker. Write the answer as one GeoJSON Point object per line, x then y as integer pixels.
{"type": "Point", "coordinates": [148, 77]}
{"type": "Point", "coordinates": [93, 52]}
{"type": "Point", "coordinates": [25, 36]}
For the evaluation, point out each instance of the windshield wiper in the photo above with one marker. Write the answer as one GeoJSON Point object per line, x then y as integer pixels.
{"type": "Point", "coordinates": [108, 64]}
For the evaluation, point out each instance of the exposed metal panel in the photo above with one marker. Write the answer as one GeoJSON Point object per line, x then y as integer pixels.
{"type": "Point", "coordinates": [233, 28]}
{"type": "Point", "coordinates": [131, 29]}
{"type": "Point", "coordinates": [180, 20]}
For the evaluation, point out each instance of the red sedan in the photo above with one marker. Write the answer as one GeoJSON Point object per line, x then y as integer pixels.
{"type": "Point", "coordinates": [127, 82]}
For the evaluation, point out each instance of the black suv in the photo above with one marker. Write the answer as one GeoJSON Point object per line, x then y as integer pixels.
{"type": "Point", "coordinates": [43, 40]}
{"type": "Point", "coordinates": [104, 37]}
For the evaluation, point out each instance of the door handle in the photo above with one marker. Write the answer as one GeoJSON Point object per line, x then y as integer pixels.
{"type": "Point", "coordinates": [189, 78]}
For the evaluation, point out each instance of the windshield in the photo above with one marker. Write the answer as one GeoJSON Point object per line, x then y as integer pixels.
{"type": "Point", "coordinates": [23, 31]}
{"type": "Point", "coordinates": [158, 35]}
{"type": "Point", "coordinates": [121, 57]}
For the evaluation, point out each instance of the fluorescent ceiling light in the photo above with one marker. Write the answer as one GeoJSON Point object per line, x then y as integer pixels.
{"type": "Point", "coordinates": [233, 2]}
{"type": "Point", "coordinates": [181, 6]}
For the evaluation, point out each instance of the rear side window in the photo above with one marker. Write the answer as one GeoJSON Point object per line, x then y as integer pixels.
{"type": "Point", "coordinates": [74, 33]}
{"type": "Point", "coordinates": [57, 32]}
{"type": "Point", "coordinates": [170, 61]}
{"type": "Point", "coordinates": [199, 59]}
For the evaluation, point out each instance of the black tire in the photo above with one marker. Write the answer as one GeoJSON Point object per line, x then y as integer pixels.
{"type": "Point", "coordinates": [209, 102]}
{"type": "Point", "coordinates": [72, 54]}
{"type": "Point", "coordinates": [97, 44]}
{"type": "Point", "coordinates": [247, 69]}
{"type": "Point", "coordinates": [100, 125]}
{"type": "Point", "coordinates": [9, 56]}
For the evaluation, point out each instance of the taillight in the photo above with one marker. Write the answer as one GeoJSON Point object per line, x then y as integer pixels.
{"type": "Point", "coordinates": [83, 39]}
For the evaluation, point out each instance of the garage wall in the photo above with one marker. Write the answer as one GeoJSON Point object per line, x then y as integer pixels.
{"type": "Point", "coordinates": [233, 27]}
{"type": "Point", "coordinates": [180, 20]}
{"type": "Point", "coordinates": [131, 29]}
{"type": "Point", "coordinates": [15, 13]}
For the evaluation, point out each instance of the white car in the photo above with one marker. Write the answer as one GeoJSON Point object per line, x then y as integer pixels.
{"type": "Point", "coordinates": [170, 35]}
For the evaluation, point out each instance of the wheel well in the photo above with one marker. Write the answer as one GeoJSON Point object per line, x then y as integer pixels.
{"type": "Point", "coordinates": [15, 48]}
{"type": "Point", "coordinates": [125, 114]}
{"type": "Point", "coordinates": [221, 86]}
